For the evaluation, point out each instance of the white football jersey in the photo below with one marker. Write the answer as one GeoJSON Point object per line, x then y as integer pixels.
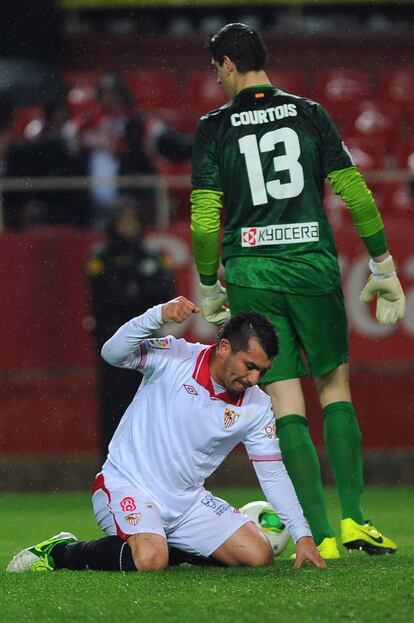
{"type": "Point", "coordinates": [178, 430]}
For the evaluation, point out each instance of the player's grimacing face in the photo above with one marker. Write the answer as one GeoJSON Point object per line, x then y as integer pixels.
{"type": "Point", "coordinates": [239, 370]}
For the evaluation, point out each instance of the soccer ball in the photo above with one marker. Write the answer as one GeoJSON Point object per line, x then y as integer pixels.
{"type": "Point", "coordinates": [266, 518]}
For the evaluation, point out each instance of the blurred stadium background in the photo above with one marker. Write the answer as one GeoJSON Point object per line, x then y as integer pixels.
{"type": "Point", "coordinates": [356, 58]}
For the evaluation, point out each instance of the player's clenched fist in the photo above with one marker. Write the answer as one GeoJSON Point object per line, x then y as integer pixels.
{"type": "Point", "coordinates": [178, 310]}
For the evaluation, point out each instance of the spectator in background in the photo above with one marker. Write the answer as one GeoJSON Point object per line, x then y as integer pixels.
{"type": "Point", "coordinates": [125, 279]}
{"type": "Point", "coordinates": [123, 140]}
{"type": "Point", "coordinates": [53, 152]}
{"type": "Point", "coordinates": [6, 130]}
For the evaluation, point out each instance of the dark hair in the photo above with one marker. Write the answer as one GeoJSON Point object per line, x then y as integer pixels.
{"type": "Point", "coordinates": [243, 45]}
{"type": "Point", "coordinates": [246, 325]}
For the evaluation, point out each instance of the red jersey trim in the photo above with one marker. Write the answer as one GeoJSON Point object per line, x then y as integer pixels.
{"type": "Point", "coordinates": [99, 484]}
{"type": "Point", "coordinates": [119, 532]}
{"type": "Point", "coordinates": [201, 374]}
{"type": "Point", "coordinates": [144, 353]}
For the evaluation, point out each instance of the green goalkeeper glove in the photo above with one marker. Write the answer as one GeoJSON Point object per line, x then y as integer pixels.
{"type": "Point", "coordinates": [385, 284]}
{"type": "Point", "coordinates": [214, 303]}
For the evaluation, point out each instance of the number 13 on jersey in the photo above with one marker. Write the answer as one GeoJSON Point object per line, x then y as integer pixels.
{"type": "Point", "coordinates": [251, 148]}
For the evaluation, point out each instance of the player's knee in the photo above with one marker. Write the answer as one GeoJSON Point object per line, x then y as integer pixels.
{"type": "Point", "coordinates": [261, 555]}
{"type": "Point", "coordinates": [247, 547]}
{"type": "Point", "coordinates": [151, 561]}
{"type": "Point", "coordinates": [149, 552]}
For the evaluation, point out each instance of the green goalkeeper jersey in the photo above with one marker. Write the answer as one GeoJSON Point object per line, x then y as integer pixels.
{"type": "Point", "coordinates": [269, 152]}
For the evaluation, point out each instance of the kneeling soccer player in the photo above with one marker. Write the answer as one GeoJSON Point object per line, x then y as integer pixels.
{"type": "Point", "coordinates": [195, 404]}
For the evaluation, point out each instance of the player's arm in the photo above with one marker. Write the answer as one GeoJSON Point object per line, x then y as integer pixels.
{"type": "Point", "coordinates": [205, 232]}
{"type": "Point", "coordinates": [206, 206]}
{"type": "Point", "coordinates": [127, 349]}
{"type": "Point", "coordinates": [263, 449]}
{"type": "Point", "coordinates": [278, 489]}
{"type": "Point", "coordinates": [383, 283]}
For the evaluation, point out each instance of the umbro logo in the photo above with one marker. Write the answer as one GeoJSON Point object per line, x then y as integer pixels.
{"type": "Point", "coordinates": [190, 390]}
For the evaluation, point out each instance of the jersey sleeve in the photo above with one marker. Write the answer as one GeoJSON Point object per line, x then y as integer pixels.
{"type": "Point", "coordinates": [351, 186]}
{"type": "Point", "coordinates": [129, 347]}
{"type": "Point", "coordinates": [156, 353]}
{"type": "Point", "coordinates": [205, 166]}
{"type": "Point", "coordinates": [205, 232]}
{"type": "Point", "coordinates": [279, 491]}
{"type": "Point", "coordinates": [261, 442]}
{"type": "Point", "coordinates": [263, 449]}
{"type": "Point", "coordinates": [335, 154]}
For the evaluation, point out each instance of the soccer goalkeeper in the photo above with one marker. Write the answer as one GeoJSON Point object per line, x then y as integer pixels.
{"type": "Point", "coordinates": [265, 155]}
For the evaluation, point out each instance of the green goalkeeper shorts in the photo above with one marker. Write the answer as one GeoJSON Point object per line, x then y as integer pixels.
{"type": "Point", "coordinates": [312, 330]}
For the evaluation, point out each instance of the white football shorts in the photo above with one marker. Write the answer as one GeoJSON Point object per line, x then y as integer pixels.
{"type": "Point", "coordinates": [124, 510]}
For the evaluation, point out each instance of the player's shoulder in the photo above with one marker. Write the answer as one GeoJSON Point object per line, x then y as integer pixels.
{"type": "Point", "coordinates": [178, 346]}
{"type": "Point", "coordinates": [255, 395]}
{"type": "Point", "coordinates": [305, 108]}
{"type": "Point", "coordinates": [274, 97]}
{"type": "Point", "coordinates": [214, 115]}
{"type": "Point", "coordinates": [299, 100]}
{"type": "Point", "coordinates": [160, 343]}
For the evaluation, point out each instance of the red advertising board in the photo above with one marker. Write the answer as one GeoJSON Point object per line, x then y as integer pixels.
{"type": "Point", "coordinates": [47, 361]}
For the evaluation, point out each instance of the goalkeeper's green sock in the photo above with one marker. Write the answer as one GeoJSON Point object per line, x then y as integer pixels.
{"type": "Point", "coordinates": [302, 463]}
{"type": "Point", "coordinates": [343, 444]}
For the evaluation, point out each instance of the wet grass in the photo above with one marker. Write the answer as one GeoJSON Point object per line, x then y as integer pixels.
{"type": "Point", "coordinates": [356, 588]}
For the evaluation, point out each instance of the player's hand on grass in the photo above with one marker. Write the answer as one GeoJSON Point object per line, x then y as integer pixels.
{"type": "Point", "coordinates": [178, 310]}
{"type": "Point", "coordinates": [306, 551]}
{"type": "Point", "coordinates": [384, 283]}
{"type": "Point", "coordinates": [214, 303]}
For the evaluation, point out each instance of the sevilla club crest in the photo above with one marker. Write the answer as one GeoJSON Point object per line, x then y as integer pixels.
{"type": "Point", "coordinates": [230, 417]}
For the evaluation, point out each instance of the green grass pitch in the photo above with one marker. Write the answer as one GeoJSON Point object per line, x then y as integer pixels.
{"type": "Point", "coordinates": [357, 588]}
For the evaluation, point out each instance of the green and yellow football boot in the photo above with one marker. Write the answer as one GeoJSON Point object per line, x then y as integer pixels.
{"type": "Point", "coordinates": [37, 557]}
{"type": "Point", "coordinates": [328, 549]}
{"type": "Point", "coordinates": [365, 538]}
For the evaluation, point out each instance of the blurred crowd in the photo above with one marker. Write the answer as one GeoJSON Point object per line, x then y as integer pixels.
{"type": "Point", "coordinates": [203, 18]}
{"type": "Point", "coordinates": [141, 124]}
{"type": "Point", "coordinates": [111, 137]}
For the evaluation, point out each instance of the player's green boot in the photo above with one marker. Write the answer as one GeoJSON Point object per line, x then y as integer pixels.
{"type": "Point", "coordinates": [37, 557]}
{"type": "Point", "coordinates": [366, 538]}
{"type": "Point", "coordinates": [328, 549]}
